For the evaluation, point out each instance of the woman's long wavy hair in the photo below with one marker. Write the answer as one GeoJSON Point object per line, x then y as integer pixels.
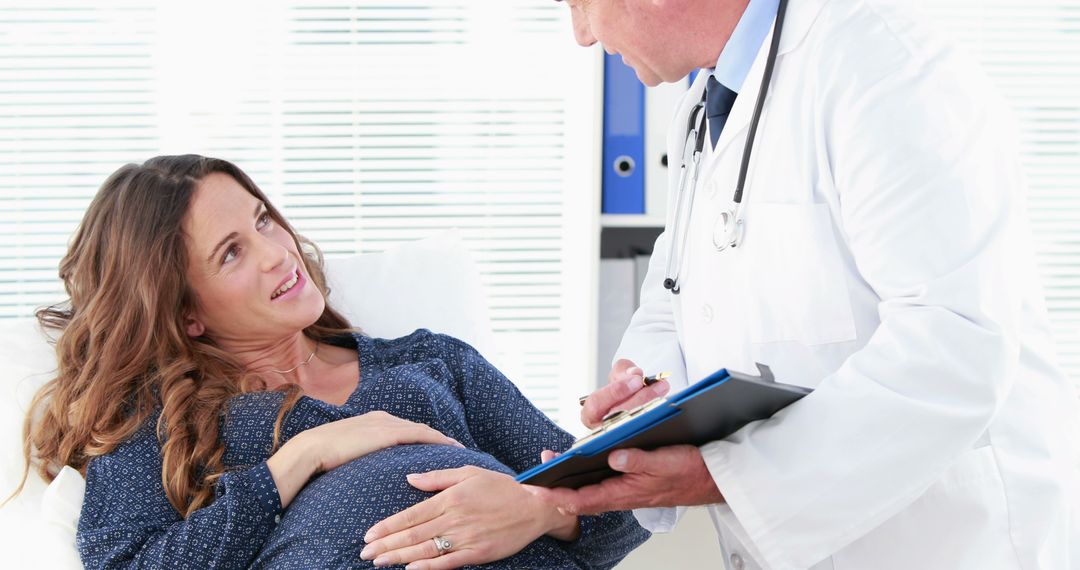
{"type": "Point", "coordinates": [124, 354]}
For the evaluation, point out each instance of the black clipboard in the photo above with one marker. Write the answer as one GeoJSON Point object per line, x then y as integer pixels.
{"type": "Point", "coordinates": [708, 410]}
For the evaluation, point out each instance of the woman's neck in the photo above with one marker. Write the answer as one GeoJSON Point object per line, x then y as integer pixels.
{"type": "Point", "coordinates": [285, 358]}
{"type": "Point", "coordinates": [322, 370]}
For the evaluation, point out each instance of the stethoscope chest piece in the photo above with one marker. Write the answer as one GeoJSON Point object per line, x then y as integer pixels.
{"type": "Point", "coordinates": [727, 230]}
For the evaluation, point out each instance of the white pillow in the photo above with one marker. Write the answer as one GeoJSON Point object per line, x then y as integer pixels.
{"type": "Point", "coordinates": [432, 283]}
{"type": "Point", "coordinates": [26, 362]}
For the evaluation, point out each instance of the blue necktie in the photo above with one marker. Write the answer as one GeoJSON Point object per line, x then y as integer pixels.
{"type": "Point", "coordinates": [718, 102]}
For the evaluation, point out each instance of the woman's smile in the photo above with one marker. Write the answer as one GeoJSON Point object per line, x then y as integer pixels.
{"type": "Point", "coordinates": [290, 288]}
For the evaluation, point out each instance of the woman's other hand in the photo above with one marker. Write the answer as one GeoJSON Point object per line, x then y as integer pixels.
{"type": "Point", "coordinates": [486, 516]}
{"type": "Point", "coordinates": [344, 440]}
{"type": "Point", "coordinates": [327, 446]}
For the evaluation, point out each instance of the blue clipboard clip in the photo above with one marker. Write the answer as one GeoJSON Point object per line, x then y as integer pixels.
{"type": "Point", "coordinates": [616, 419]}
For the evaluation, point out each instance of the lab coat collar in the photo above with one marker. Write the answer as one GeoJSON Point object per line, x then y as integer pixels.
{"type": "Point", "coordinates": [737, 57]}
{"type": "Point", "coordinates": [800, 16]}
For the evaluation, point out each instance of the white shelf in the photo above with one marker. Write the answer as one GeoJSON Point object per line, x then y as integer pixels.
{"type": "Point", "coordinates": [631, 221]}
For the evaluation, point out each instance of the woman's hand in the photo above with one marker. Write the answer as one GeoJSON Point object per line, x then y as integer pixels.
{"type": "Point", "coordinates": [344, 440]}
{"type": "Point", "coordinates": [486, 515]}
{"type": "Point", "coordinates": [327, 446]}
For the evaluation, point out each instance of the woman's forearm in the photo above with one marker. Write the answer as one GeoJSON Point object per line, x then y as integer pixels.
{"type": "Point", "coordinates": [128, 523]}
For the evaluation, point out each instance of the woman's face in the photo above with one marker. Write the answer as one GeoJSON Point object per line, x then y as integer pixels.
{"type": "Point", "coordinates": [249, 281]}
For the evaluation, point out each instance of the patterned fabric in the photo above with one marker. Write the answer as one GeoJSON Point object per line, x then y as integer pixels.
{"type": "Point", "coordinates": [127, 522]}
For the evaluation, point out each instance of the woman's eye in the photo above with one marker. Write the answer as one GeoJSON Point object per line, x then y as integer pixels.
{"type": "Point", "coordinates": [230, 254]}
{"type": "Point", "coordinates": [264, 220]}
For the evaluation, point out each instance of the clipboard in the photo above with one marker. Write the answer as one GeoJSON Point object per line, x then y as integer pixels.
{"type": "Point", "coordinates": [710, 409]}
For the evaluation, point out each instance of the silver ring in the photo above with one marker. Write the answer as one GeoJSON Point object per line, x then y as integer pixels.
{"type": "Point", "coordinates": [443, 545]}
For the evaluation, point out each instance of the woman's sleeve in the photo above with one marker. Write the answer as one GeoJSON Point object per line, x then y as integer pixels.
{"type": "Point", "coordinates": [508, 426]}
{"type": "Point", "coordinates": [127, 521]}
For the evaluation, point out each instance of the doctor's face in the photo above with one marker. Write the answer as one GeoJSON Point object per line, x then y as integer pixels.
{"type": "Point", "coordinates": [624, 27]}
{"type": "Point", "coordinates": [248, 277]}
{"type": "Point", "coordinates": [662, 40]}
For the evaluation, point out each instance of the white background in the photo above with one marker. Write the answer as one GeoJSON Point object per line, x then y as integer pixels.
{"type": "Point", "coordinates": [374, 123]}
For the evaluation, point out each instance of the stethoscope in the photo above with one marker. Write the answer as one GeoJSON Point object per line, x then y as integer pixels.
{"type": "Point", "coordinates": [728, 228]}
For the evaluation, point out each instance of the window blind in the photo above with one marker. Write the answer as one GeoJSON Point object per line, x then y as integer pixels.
{"type": "Point", "coordinates": [1031, 50]}
{"type": "Point", "coordinates": [369, 123]}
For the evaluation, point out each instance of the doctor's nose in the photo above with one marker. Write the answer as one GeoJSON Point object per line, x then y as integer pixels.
{"type": "Point", "coordinates": [582, 31]}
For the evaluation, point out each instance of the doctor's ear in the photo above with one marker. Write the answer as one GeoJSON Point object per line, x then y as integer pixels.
{"type": "Point", "coordinates": [194, 327]}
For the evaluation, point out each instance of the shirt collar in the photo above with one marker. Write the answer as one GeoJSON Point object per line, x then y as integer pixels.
{"type": "Point", "coordinates": [742, 48]}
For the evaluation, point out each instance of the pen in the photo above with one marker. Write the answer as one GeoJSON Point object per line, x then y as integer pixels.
{"type": "Point", "coordinates": [645, 382]}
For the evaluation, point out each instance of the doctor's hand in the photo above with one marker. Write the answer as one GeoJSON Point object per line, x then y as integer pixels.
{"type": "Point", "coordinates": [486, 516]}
{"type": "Point", "coordinates": [625, 390]}
{"type": "Point", "coordinates": [666, 477]}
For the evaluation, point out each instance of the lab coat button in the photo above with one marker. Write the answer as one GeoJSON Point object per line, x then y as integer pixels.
{"type": "Point", "coordinates": [707, 313]}
{"type": "Point", "coordinates": [737, 562]}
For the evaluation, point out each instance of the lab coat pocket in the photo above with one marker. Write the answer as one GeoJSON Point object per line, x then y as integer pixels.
{"type": "Point", "coordinates": [796, 278]}
{"type": "Point", "coordinates": [961, 521]}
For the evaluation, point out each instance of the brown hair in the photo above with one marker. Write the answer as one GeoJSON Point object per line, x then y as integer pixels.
{"type": "Point", "coordinates": [124, 352]}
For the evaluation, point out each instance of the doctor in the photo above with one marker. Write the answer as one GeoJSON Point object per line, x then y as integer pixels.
{"type": "Point", "coordinates": [879, 254]}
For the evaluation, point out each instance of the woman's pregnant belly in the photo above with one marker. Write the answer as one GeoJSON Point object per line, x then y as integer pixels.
{"type": "Point", "coordinates": [325, 524]}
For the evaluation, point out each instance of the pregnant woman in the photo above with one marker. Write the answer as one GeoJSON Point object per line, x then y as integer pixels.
{"type": "Point", "coordinates": [226, 417]}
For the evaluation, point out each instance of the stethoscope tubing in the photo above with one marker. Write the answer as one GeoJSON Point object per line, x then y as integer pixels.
{"type": "Point", "coordinates": [759, 106]}
{"type": "Point", "coordinates": [688, 176]}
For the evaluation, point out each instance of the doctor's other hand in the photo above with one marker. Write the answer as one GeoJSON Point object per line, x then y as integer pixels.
{"type": "Point", "coordinates": [625, 390]}
{"type": "Point", "coordinates": [666, 477]}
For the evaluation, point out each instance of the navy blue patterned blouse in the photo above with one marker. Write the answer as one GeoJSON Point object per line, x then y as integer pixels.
{"type": "Point", "coordinates": [127, 522]}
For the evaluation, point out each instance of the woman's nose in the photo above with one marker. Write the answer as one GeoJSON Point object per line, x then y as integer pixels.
{"type": "Point", "coordinates": [273, 255]}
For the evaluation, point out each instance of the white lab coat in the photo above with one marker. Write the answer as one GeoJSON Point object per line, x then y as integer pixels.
{"type": "Point", "coordinates": [887, 263]}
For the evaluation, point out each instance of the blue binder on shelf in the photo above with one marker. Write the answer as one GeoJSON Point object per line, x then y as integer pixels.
{"type": "Point", "coordinates": [710, 409]}
{"type": "Point", "coordinates": [624, 139]}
